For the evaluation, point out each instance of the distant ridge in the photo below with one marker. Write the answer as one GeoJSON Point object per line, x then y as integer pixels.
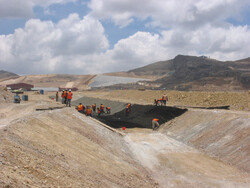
{"type": "Point", "coordinates": [5, 75]}
{"type": "Point", "coordinates": [198, 73]}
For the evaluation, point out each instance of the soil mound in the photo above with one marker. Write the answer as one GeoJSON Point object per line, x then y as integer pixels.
{"type": "Point", "coordinates": [141, 116]}
{"type": "Point", "coordinates": [5, 96]}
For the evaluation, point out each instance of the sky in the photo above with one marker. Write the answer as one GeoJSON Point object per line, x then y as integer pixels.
{"type": "Point", "coordinates": [99, 36]}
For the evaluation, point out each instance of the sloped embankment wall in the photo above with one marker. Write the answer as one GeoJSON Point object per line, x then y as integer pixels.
{"type": "Point", "coordinates": [218, 133]}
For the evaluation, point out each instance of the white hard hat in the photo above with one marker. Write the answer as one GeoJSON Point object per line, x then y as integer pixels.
{"type": "Point", "coordinates": [69, 89]}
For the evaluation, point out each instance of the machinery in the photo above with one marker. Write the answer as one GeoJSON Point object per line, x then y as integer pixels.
{"type": "Point", "coordinates": [17, 98]}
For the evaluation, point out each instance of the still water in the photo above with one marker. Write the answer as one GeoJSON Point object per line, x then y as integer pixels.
{"type": "Point", "coordinates": [102, 80]}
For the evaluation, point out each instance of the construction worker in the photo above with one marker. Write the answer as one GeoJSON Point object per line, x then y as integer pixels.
{"type": "Point", "coordinates": [63, 98]}
{"type": "Point", "coordinates": [155, 124]}
{"type": "Point", "coordinates": [57, 95]}
{"type": "Point", "coordinates": [80, 108]}
{"type": "Point", "coordinates": [98, 111]}
{"type": "Point", "coordinates": [94, 107]}
{"type": "Point", "coordinates": [127, 109]}
{"type": "Point", "coordinates": [89, 111]}
{"type": "Point", "coordinates": [102, 108]}
{"type": "Point", "coordinates": [69, 97]}
{"type": "Point", "coordinates": [108, 110]}
{"type": "Point", "coordinates": [164, 99]}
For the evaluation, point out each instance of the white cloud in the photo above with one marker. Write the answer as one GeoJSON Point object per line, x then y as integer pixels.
{"type": "Point", "coordinates": [75, 45]}
{"type": "Point", "coordinates": [43, 46]}
{"type": "Point", "coordinates": [168, 13]}
{"type": "Point", "coordinates": [24, 8]}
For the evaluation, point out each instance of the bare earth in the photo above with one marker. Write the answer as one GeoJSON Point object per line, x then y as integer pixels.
{"type": "Point", "coordinates": [62, 148]}
{"type": "Point", "coordinates": [236, 100]}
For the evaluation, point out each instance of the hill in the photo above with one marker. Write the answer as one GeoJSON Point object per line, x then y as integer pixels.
{"type": "Point", "coordinates": [198, 73]}
{"type": "Point", "coordinates": [4, 75]}
{"type": "Point", "coordinates": [53, 80]}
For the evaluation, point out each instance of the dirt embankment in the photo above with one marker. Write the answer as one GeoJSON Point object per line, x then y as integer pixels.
{"type": "Point", "coordinates": [5, 96]}
{"type": "Point", "coordinates": [236, 100]}
{"type": "Point", "coordinates": [63, 148]}
{"type": "Point", "coordinates": [219, 133]}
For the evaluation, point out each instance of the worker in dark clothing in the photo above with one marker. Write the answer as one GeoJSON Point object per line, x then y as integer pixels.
{"type": "Point", "coordinates": [164, 99]}
{"type": "Point", "coordinates": [57, 95]}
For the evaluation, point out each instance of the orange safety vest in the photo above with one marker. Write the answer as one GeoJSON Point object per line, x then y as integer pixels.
{"type": "Point", "coordinates": [155, 119]}
{"type": "Point", "coordinates": [99, 111]}
{"type": "Point", "coordinates": [80, 107]}
{"type": "Point", "coordinates": [93, 106]}
{"type": "Point", "coordinates": [69, 96]}
{"type": "Point", "coordinates": [108, 108]}
{"type": "Point", "coordinates": [102, 107]}
{"type": "Point", "coordinates": [88, 111]}
{"type": "Point", "coordinates": [65, 93]}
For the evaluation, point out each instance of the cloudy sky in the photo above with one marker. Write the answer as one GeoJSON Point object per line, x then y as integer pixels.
{"type": "Point", "coordinates": [96, 36]}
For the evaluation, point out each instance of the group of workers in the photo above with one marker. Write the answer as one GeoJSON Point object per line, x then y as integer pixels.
{"type": "Point", "coordinates": [88, 110]}
{"type": "Point", "coordinates": [66, 96]}
{"type": "Point", "coordinates": [162, 101]}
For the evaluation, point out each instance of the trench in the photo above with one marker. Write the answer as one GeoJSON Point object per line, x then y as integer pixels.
{"type": "Point", "coordinates": [140, 116]}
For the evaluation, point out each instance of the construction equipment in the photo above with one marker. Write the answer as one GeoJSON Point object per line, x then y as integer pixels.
{"type": "Point", "coordinates": [17, 98]}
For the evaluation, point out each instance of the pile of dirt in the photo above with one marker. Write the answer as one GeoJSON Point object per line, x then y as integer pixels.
{"type": "Point", "coordinates": [141, 116]}
{"type": "Point", "coordinates": [5, 96]}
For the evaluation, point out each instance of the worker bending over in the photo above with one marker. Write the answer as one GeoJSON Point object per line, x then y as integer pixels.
{"type": "Point", "coordinates": [127, 109]}
{"type": "Point", "coordinates": [98, 111]}
{"type": "Point", "coordinates": [108, 110]}
{"type": "Point", "coordinates": [89, 111]}
{"type": "Point", "coordinates": [80, 108]}
{"type": "Point", "coordinates": [155, 124]}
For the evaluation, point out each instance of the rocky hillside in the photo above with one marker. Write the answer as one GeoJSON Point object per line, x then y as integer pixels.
{"type": "Point", "coordinates": [4, 75]}
{"type": "Point", "coordinates": [199, 73]}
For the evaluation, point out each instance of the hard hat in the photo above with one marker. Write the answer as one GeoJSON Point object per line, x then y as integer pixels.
{"type": "Point", "coordinates": [69, 89]}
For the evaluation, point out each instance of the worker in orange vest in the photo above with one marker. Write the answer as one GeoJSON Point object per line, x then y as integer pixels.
{"type": "Point", "coordinates": [69, 97]}
{"type": "Point", "coordinates": [89, 111]}
{"type": "Point", "coordinates": [155, 123]}
{"type": "Point", "coordinates": [94, 107]}
{"type": "Point", "coordinates": [127, 109]}
{"type": "Point", "coordinates": [102, 108]}
{"type": "Point", "coordinates": [80, 108]}
{"type": "Point", "coordinates": [108, 110]}
{"type": "Point", "coordinates": [98, 111]}
{"type": "Point", "coordinates": [65, 96]}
